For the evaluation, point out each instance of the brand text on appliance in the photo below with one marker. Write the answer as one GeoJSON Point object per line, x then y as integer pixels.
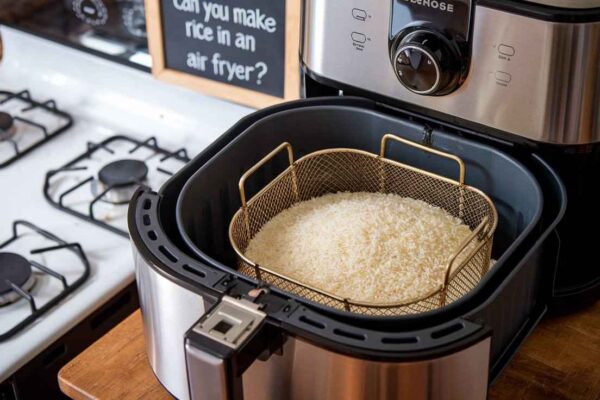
{"type": "Point", "coordinates": [435, 4]}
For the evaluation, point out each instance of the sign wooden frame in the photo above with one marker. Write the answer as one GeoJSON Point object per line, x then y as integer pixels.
{"type": "Point", "coordinates": [226, 91]}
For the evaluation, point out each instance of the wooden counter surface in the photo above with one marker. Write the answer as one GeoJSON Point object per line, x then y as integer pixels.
{"type": "Point", "coordinates": [560, 360]}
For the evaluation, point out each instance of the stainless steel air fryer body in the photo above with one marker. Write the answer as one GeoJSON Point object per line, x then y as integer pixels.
{"type": "Point", "coordinates": [495, 81]}
{"type": "Point", "coordinates": [529, 77]}
{"type": "Point", "coordinates": [301, 370]}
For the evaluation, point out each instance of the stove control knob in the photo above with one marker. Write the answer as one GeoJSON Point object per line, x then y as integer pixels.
{"type": "Point", "coordinates": [93, 12]}
{"type": "Point", "coordinates": [427, 63]}
{"type": "Point", "coordinates": [134, 19]}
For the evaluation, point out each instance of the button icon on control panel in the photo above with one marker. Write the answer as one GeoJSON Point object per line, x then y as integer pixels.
{"type": "Point", "coordinates": [359, 40]}
{"type": "Point", "coordinates": [358, 37]}
{"type": "Point", "coordinates": [359, 14]}
{"type": "Point", "coordinates": [506, 50]}
{"type": "Point", "coordinates": [503, 78]}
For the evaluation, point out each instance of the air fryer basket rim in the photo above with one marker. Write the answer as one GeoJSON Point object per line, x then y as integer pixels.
{"type": "Point", "coordinates": [353, 105]}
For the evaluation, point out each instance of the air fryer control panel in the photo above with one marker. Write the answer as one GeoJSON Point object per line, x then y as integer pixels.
{"type": "Point", "coordinates": [459, 60]}
{"type": "Point", "coordinates": [429, 44]}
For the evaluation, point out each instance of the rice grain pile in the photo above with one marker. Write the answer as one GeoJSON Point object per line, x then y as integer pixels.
{"type": "Point", "coordinates": [368, 247]}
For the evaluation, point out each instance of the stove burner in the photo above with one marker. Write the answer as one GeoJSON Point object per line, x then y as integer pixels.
{"type": "Point", "coordinates": [17, 278]}
{"type": "Point", "coordinates": [7, 126]}
{"type": "Point", "coordinates": [6, 121]}
{"type": "Point", "coordinates": [123, 173]}
{"type": "Point", "coordinates": [118, 180]}
{"type": "Point", "coordinates": [16, 270]}
{"type": "Point", "coordinates": [40, 122]}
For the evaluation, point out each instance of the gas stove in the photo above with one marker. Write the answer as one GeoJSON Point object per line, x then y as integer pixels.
{"type": "Point", "coordinates": [76, 139]}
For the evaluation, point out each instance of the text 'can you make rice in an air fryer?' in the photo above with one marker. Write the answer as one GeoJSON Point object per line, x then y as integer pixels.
{"type": "Point", "coordinates": [368, 247]}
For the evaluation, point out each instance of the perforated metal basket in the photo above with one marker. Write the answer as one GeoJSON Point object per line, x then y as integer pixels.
{"type": "Point", "coordinates": [348, 170]}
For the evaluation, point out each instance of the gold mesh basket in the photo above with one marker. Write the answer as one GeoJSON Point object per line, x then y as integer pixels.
{"type": "Point", "coordinates": [348, 170]}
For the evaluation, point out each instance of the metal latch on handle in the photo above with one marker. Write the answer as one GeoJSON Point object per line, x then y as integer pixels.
{"type": "Point", "coordinates": [231, 322]}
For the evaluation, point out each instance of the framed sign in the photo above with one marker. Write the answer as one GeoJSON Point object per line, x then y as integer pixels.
{"type": "Point", "coordinates": [245, 51]}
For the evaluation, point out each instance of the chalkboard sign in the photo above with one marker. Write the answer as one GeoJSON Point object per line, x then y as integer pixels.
{"type": "Point", "coordinates": [241, 50]}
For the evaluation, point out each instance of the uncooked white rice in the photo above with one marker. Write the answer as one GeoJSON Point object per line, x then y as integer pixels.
{"type": "Point", "coordinates": [368, 247]}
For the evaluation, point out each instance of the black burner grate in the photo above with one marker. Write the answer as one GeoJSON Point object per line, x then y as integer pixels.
{"type": "Point", "coordinates": [107, 187]}
{"type": "Point", "coordinates": [15, 287]}
{"type": "Point", "coordinates": [46, 133]}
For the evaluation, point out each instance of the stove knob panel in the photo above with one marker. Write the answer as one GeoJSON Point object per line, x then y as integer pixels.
{"type": "Point", "coordinates": [427, 63]}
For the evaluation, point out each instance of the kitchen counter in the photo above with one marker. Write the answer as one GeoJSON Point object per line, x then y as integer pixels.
{"type": "Point", "coordinates": [558, 361]}
{"type": "Point", "coordinates": [118, 100]}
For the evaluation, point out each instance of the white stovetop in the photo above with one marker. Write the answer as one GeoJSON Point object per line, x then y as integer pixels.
{"type": "Point", "coordinates": [104, 99]}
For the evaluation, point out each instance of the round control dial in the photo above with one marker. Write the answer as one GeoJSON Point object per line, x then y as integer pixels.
{"type": "Point", "coordinates": [426, 63]}
{"type": "Point", "coordinates": [417, 69]}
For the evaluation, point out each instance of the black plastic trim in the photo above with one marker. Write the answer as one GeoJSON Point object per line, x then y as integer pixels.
{"type": "Point", "coordinates": [526, 329]}
{"type": "Point", "coordinates": [183, 271]}
{"type": "Point", "coordinates": [544, 12]}
{"type": "Point", "coordinates": [545, 295]}
{"type": "Point", "coordinates": [283, 311]}
{"type": "Point", "coordinates": [375, 345]}
{"type": "Point", "coordinates": [575, 297]}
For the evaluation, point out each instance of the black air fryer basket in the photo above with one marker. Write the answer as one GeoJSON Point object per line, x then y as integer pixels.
{"type": "Point", "coordinates": [183, 229]}
{"type": "Point", "coordinates": [511, 186]}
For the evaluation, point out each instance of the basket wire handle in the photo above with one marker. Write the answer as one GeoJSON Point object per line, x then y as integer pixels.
{"type": "Point", "coordinates": [265, 159]}
{"type": "Point", "coordinates": [255, 167]}
{"type": "Point", "coordinates": [480, 232]}
{"type": "Point", "coordinates": [459, 161]}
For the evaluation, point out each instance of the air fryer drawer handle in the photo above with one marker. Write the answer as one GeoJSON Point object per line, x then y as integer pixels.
{"type": "Point", "coordinates": [221, 346]}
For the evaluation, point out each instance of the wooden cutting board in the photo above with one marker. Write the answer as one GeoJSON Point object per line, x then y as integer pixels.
{"type": "Point", "coordinates": [560, 360]}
